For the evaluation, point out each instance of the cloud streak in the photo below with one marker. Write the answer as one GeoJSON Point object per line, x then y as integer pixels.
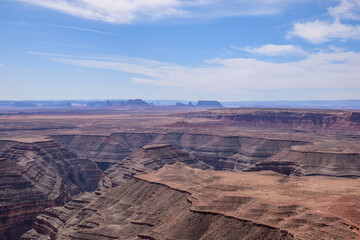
{"type": "Point", "coordinates": [129, 11]}
{"type": "Point", "coordinates": [81, 29]}
{"type": "Point", "coordinates": [319, 70]}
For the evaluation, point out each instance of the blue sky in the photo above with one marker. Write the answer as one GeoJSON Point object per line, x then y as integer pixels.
{"type": "Point", "coordinates": [175, 49]}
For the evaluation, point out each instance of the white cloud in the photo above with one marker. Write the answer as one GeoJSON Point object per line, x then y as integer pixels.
{"type": "Point", "coordinates": [273, 50]}
{"type": "Point", "coordinates": [318, 32]}
{"type": "Point", "coordinates": [320, 70]}
{"type": "Point", "coordinates": [128, 11]}
{"type": "Point", "coordinates": [347, 9]}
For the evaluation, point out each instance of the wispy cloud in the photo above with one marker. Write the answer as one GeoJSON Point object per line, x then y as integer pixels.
{"type": "Point", "coordinates": [272, 50]}
{"type": "Point", "coordinates": [318, 31]}
{"type": "Point", "coordinates": [129, 11]}
{"type": "Point", "coordinates": [347, 9]}
{"type": "Point", "coordinates": [81, 29]}
{"type": "Point", "coordinates": [318, 70]}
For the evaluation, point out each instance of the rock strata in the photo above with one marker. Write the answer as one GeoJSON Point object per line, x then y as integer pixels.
{"type": "Point", "coordinates": [178, 202]}
{"type": "Point", "coordinates": [35, 176]}
{"type": "Point", "coordinates": [139, 209]}
{"type": "Point", "coordinates": [310, 163]}
{"type": "Point", "coordinates": [283, 118]}
{"type": "Point", "coordinates": [220, 152]}
{"type": "Point", "coordinates": [149, 159]}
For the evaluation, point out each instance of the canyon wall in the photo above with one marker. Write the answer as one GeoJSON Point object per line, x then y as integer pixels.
{"type": "Point", "coordinates": [35, 176]}
{"type": "Point", "coordinates": [147, 160]}
{"type": "Point", "coordinates": [310, 163]}
{"type": "Point", "coordinates": [139, 209]}
{"type": "Point", "coordinates": [179, 202]}
{"type": "Point", "coordinates": [219, 152]}
{"type": "Point", "coordinates": [283, 118]}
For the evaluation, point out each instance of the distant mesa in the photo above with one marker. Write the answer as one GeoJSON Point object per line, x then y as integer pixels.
{"type": "Point", "coordinates": [179, 104]}
{"type": "Point", "coordinates": [137, 102]}
{"type": "Point", "coordinates": [25, 104]}
{"type": "Point", "coordinates": [96, 104]}
{"type": "Point", "coordinates": [209, 104]}
{"type": "Point", "coordinates": [117, 103]}
{"type": "Point", "coordinates": [201, 103]}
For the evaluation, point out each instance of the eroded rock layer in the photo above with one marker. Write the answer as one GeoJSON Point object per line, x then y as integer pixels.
{"type": "Point", "coordinates": [284, 118]}
{"type": "Point", "coordinates": [314, 207]}
{"type": "Point", "coordinates": [35, 176]}
{"type": "Point", "coordinates": [142, 210]}
{"type": "Point", "coordinates": [178, 202]}
{"type": "Point", "coordinates": [148, 159]}
{"type": "Point", "coordinates": [220, 152]}
{"type": "Point", "coordinates": [307, 163]}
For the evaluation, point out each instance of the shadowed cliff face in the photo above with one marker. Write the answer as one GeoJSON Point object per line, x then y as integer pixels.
{"type": "Point", "coordinates": [221, 153]}
{"type": "Point", "coordinates": [34, 176]}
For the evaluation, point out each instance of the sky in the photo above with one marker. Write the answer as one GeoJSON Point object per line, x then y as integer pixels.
{"type": "Point", "coordinates": [226, 50]}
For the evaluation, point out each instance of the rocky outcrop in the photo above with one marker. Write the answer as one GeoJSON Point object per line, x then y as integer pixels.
{"type": "Point", "coordinates": [35, 176]}
{"type": "Point", "coordinates": [149, 159]}
{"type": "Point", "coordinates": [178, 202]}
{"type": "Point", "coordinates": [310, 163]}
{"type": "Point", "coordinates": [283, 118]}
{"type": "Point", "coordinates": [220, 152]}
{"type": "Point", "coordinates": [142, 210]}
{"type": "Point", "coordinates": [314, 207]}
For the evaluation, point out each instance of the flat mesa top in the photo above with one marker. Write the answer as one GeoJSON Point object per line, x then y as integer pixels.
{"type": "Point", "coordinates": [304, 206]}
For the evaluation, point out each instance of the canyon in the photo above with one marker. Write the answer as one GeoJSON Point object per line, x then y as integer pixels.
{"type": "Point", "coordinates": [38, 175]}
{"type": "Point", "coordinates": [164, 173]}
